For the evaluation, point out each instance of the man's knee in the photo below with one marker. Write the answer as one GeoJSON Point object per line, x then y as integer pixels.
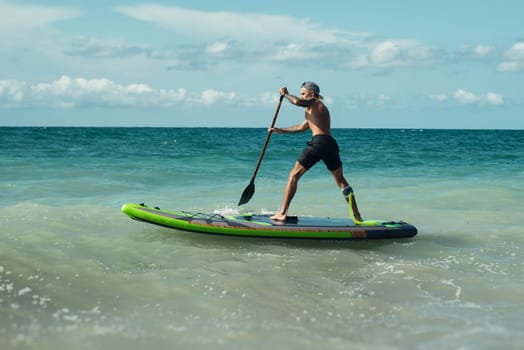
{"type": "Point", "coordinates": [297, 171]}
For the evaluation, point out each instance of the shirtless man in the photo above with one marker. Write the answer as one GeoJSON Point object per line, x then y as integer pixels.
{"type": "Point", "coordinates": [321, 147]}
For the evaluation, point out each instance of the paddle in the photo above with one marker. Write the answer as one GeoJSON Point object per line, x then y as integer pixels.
{"type": "Point", "coordinates": [250, 189]}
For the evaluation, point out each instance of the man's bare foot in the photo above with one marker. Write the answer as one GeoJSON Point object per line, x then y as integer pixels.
{"type": "Point", "coordinates": [278, 217]}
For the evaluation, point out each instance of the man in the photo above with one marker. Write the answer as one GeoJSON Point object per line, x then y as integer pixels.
{"type": "Point", "coordinates": [321, 147]}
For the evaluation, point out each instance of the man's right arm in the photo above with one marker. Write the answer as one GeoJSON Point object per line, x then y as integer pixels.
{"type": "Point", "coordinates": [294, 99]}
{"type": "Point", "coordinates": [299, 101]}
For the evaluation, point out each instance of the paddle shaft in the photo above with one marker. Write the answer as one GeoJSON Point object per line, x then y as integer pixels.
{"type": "Point", "coordinates": [267, 140]}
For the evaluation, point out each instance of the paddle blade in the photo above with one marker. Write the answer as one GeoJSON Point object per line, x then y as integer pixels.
{"type": "Point", "coordinates": [249, 191]}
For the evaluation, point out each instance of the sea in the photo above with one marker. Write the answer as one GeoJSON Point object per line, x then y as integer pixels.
{"type": "Point", "coordinates": [76, 273]}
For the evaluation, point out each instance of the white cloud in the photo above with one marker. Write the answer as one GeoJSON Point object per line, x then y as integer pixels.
{"type": "Point", "coordinates": [384, 98]}
{"type": "Point", "coordinates": [67, 92]}
{"type": "Point", "coordinates": [229, 37]}
{"type": "Point", "coordinates": [516, 53]}
{"type": "Point", "coordinates": [476, 52]}
{"type": "Point", "coordinates": [105, 48]}
{"type": "Point", "coordinates": [468, 98]}
{"type": "Point", "coordinates": [269, 97]}
{"type": "Point", "coordinates": [482, 50]}
{"type": "Point", "coordinates": [394, 53]}
{"type": "Point", "coordinates": [11, 92]}
{"type": "Point", "coordinates": [514, 59]}
{"type": "Point", "coordinates": [510, 66]}
{"type": "Point", "coordinates": [217, 48]}
{"type": "Point", "coordinates": [385, 53]}
{"type": "Point", "coordinates": [27, 33]}
{"type": "Point", "coordinates": [292, 52]}
{"type": "Point", "coordinates": [385, 101]}
{"type": "Point", "coordinates": [16, 17]}
{"type": "Point", "coordinates": [438, 97]}
{"type": "Point", "coordinates": [223, 24]}
{"type": "Point", "coordinates": [494, 98]}
{"type": "Point", "coordinates": [210, 96]}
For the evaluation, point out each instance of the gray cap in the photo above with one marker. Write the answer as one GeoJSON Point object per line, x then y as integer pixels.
{"type": "Point", "coordinates": [311, 86]}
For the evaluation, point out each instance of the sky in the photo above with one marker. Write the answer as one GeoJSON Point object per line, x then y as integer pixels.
{"type": "Point", "coordinates": [453, 64]}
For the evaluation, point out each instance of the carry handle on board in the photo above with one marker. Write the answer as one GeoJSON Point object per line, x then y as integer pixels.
{"type": "Point", "coordinates": [249, 191]}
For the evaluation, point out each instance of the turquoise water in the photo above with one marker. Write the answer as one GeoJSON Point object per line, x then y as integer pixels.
{"type": "Point", "coordinates": [77, 273]}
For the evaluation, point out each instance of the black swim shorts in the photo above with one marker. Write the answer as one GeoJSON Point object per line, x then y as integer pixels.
{"type": "Point", "coordinates": [321, 147]}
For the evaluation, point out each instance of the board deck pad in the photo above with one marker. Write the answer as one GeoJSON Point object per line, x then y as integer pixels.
{"type": "Point", "coordinates": [254, 225]}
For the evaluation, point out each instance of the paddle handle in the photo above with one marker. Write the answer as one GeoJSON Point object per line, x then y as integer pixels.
{"type": "Point", "coordinates": [267, 139]}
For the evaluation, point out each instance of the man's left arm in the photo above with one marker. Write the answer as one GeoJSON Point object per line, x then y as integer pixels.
{"type": "Point", "coordinates": [292, 129]}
